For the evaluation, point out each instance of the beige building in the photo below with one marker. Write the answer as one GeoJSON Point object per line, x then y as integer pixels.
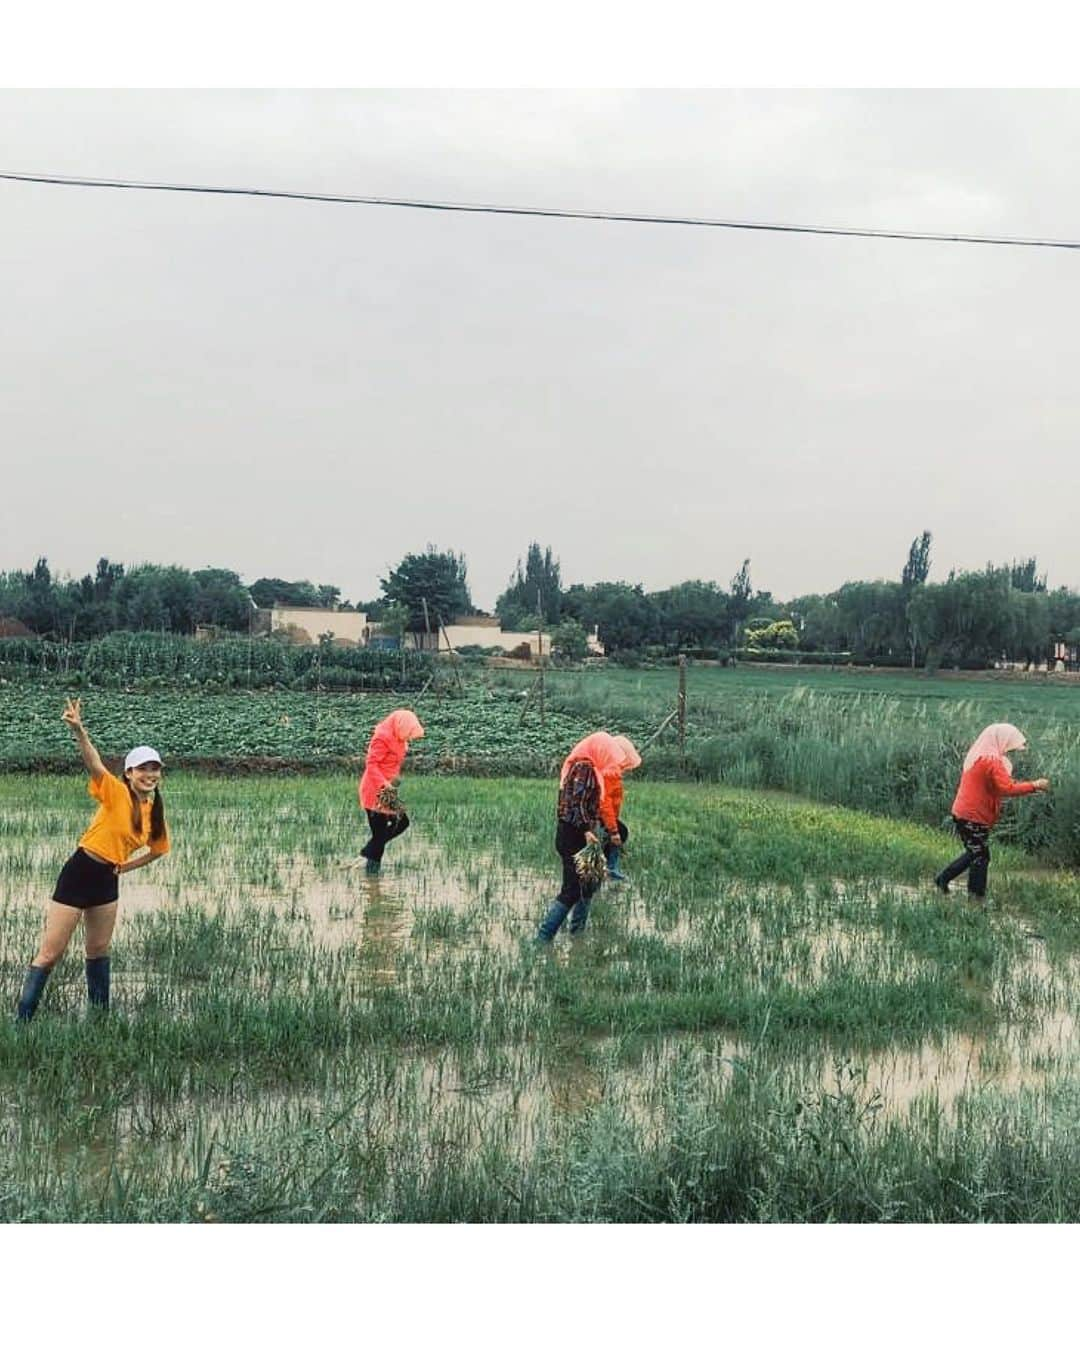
{"type": "Point", "coordinates": [488, 633]}
{"type": "Point", "coordinates": [308, 624]}
{"type": "Point", "coordinates": [312, 622]}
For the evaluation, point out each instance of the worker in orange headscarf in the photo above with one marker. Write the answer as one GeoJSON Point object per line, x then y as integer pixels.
{"type": "Point", "coordinates": [382, 765]}
{"type": "Point", "coordinates": [985, 780]}
{"type": "Point", "coordinates": [611, 805]}
{"type": "Point", "coordinates": [577, 813]}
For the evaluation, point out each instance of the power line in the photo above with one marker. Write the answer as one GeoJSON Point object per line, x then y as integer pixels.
{"type": "Point", "coordinates": [616, 217]}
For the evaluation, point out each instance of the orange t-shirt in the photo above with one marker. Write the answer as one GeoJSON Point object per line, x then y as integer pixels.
{"type": "Point", "coordinates": [110, 834]}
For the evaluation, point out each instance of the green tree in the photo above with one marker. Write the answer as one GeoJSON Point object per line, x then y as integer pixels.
{"type": "Point", "coordinates": [221, 599]}
{"type": "Point", "coordinates": [816, 618]}
{"type": "Point", "coordinates": [439, 577]}
{"type": "Point", "coordinates": [739, 602]}
{"type": "Point", "coordinates": [1030, 634]}
{"type": "Point", "coordinates": [394, 619]}
{"type": "Point", "coordinates": [536, 586]}
{"type": "Point", "coordinates": [156, 598]}
{"type": "Point", "coordinates": [779, 635]}
{"type": "Point", "coordinates": [625, 616]}
{"type": "Point", "coordinates": [569, 640]}
{"type": "Point", "coordinates": [692, 615]}
{"type": "Point", "coordinates": [1023, 575]}
{"type": "Point", "coordinates": [917, 567]}
{"type": "Point", "coordinates": [968, 619]}
{"type": "Point", "coordinates": [293, 593]}
{"type": "Point", "coordinates": [870, 618]}
{"type": "Point", "coordinates": [95, 600]}
{"type": "Point", "coordinates": [1063, 607]}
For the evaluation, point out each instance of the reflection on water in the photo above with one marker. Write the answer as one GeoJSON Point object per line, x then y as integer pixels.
{"type": "Point", "coordinates": [385, 923]}
{"type": "Point", "coordinates": [514, 1099]}
{"type": "Point", "coordinates": [962, 1062]}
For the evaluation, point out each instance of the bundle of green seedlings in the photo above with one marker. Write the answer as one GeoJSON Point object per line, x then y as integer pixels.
{"type": "Point", "coordinates": [590, 864]}
{"type": "Point", "coordinates": [388, 800]}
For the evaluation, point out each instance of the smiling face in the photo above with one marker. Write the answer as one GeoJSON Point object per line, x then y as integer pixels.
{"type": "Point", "coordinates": [145, 778]}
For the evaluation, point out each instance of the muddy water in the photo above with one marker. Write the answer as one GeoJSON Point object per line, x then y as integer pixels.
{"type": "Point", "coordinates": [424, 899]}
{"type": "Point", "coordinates": [447, 1105]}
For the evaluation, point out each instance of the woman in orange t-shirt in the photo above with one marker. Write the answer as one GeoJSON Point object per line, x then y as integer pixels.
{"type": "Point", "coordinates": [985, 780]}
{"type": "Point", "coordinates": [130, 818]}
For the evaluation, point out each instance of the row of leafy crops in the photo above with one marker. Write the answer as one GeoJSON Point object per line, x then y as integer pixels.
{"type": "Point", "coordinates": [147, 660]}
{"type": "Point", "coordinates": [476, 731]}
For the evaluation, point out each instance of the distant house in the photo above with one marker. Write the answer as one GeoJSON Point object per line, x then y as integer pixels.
{"type": "Point", "coordinates": [1066, 657]}
{"type": "Point", "coordinates": [486, 632]}
{"type": "Point", "coordinates": [307, 624]}
{"type": "Point", "coordinates": [12, 628]}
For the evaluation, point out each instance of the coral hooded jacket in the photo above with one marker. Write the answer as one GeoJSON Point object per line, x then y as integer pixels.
{"type": "Point", "coordinates": [982, 787]}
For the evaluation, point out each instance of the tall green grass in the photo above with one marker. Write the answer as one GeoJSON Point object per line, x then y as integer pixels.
{"type": "Point", "coordinates": [891, 744]}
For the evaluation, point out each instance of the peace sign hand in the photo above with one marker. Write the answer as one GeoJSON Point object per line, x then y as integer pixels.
{"type": "Point", "coordinates": [72, 713]}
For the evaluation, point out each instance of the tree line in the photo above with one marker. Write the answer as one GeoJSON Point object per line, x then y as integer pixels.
{"type": "Point", "coordinates": [159, 598]}
{"type": "Point", "coordinates": [971, 618]}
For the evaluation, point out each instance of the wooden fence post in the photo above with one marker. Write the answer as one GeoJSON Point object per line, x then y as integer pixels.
{"type": "Point", "coordinates": [540, 651]}
{"type": "Point", "coordinates": [682, 704]}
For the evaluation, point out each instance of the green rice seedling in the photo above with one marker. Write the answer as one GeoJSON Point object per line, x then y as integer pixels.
{"type": "Point", "coordinates": [590, 864]}
{"type": "Point", "coordinates": [389, 800]}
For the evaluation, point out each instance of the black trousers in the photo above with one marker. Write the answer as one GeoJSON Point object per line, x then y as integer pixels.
{"type": "Point", "coordinates": [568, 841]}
{"type": "Point", "coordinates": [384, 828]}
{"type": "Point", "coordinates": [975, 859]}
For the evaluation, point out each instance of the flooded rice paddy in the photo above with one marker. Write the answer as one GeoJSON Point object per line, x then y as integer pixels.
{"type": "Point", "coordinates": [776, 1018]}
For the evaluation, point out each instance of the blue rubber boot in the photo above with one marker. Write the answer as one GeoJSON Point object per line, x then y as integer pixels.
{"type": "Point", "coordinates": [579, 915]}
{"type": "Point", "coordinates": [97, 982]}
{"type": "Point", "coordinates": [31, 992]}
{"type": "Point", "coordinates": [549, 926]}
{"type": "Point", "coordinates": [614, 872]}
{"type": "Point", "coordinates": [372, 867]}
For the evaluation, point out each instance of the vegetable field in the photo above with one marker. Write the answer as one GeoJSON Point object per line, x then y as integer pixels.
{"type": "Point", "coordinates": [478, 731]}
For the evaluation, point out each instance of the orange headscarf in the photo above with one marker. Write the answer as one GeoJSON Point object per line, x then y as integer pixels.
{"type": "Point", "coordinates": [402, 724]}
{"type": "Point", "coordinates": [995, 741]}
{"type": "Point", "coordinates": [631, 758]}
{"type": "Point", "coordinates": [601, 752]}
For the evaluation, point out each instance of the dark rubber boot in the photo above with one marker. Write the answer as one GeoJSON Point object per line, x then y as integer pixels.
{"type": "Point", "coordinates": [97, 982]}
{"type": "Point", "coordinates": [549, 926]}
{"type": "Point", "coordinates": [31, 992]}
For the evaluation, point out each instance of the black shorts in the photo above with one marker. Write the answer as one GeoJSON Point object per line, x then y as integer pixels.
{"type": "Point", "coordinates": [86, 883]}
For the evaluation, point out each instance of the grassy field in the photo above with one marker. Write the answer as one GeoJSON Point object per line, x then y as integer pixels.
{"type": "Point", "coordinates": [891, 744]}
{"type": "Point", "coordinates": [777, 1019]}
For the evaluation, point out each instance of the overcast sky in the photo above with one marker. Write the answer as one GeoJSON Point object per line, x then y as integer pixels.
{"type": "Point", "coordinates": [311, 390]}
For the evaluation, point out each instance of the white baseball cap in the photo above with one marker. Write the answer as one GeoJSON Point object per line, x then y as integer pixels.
{"type": "Point", "coordinates": [140, 756]}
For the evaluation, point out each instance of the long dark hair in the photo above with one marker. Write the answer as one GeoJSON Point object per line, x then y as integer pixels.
{"type": "Point", "coordinates": [157, 813]}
